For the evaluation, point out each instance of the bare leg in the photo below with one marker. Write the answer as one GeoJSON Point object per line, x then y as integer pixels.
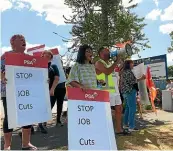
{"type": "Point", "coordinates": [26, 135]}
{"type": "Point", "coordinates": [118, 116]}
{"type": "Point", "coordinates": [7, 141]}
{"type": "Point", "coordinates": [140, 108]}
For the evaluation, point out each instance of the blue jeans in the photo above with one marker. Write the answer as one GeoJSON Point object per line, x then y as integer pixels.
{"type": "Point", "coordinates": [130, 108]}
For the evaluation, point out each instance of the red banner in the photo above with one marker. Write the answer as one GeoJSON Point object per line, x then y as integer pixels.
{"type": "Point", "coordinates": [152, 88]}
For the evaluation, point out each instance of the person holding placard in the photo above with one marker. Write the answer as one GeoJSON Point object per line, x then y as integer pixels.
{"type": "Point", "coordinates": [129, 89]}
{"type": "Point", "coordinates": [53, 74]}
{"type": "Point", "coordinates": [18, 45]}
{"type": "Point", "coordinates": [60, 92]}
{"type": "Point", "coordinates": [105, 72]}
{"type": "Point", "coordinates": [82, 74]}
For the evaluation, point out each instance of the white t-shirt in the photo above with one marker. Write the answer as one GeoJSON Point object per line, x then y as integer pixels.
{"type": "Point", "coordinates": [169, 86]}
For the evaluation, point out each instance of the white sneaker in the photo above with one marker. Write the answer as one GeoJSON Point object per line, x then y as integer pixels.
{"type": "Point", "coordinates": [126, 127]}
{"type": "Point", "coordinates": [133, 130]}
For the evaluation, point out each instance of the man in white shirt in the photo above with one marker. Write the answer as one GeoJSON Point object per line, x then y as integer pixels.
{"type": "Point", "coordinates": [169, 85]}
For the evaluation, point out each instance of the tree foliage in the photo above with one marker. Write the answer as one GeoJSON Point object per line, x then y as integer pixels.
{"type": "Point", "coordinates": [105, 23]}
{"type": "Point", "coordinates": [170, 49]}
{"type": "Point", "coordinates": [170, 71]}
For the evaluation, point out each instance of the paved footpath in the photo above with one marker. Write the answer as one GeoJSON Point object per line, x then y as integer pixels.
{"type": "Point", "coordinates": [57, 136]}
{"type": "Point", "coordinates": [151, 119]}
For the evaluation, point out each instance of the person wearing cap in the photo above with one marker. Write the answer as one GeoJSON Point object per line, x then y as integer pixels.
{"type": "Point", "coordinates": [18, 45]}
{"type": "Point", "coordinates": [105, 72]}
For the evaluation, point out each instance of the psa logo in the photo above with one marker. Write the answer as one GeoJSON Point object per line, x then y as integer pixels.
{"type": "Point", "coordinates": [30, 62]}
{"type": "Point", "coordinates": [91, 96]}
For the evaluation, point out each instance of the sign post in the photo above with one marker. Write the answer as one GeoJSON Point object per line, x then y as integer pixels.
{"type": "Point", "coordinates": [90, 124]}
{"type": "Point", "coordinates": [28, 99]}
{"type": "Point", "coordinates": [158, 65]}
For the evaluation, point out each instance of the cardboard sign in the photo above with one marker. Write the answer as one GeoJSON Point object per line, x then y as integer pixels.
{"type": "Point", "coordinates": [27, 88]}
{"type": "Point", "coordinates": [39, 48]}
{"type": "Point", "coordinates": [37, 51]}
{"type": "Point", "coordinates": [57, 61]}
{"type": "Point", "coordinates": [90, 124]}
{"type": "Point", "coordinates": [139, 70]}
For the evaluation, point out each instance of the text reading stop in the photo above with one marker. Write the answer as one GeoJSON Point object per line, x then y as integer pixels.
{"type": "Point", "coordinates": [24, 75]}
{"type": "Point", "coordinates": [86, 108]}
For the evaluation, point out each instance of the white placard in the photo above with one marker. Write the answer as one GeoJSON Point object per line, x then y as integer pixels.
{"type": "Point", "coordinates": [28, 99]}
{"type": "Point", "coordinates": [139, 70]}
{"type": "Point", "coordinates": [57, 61]}
{"type": "Point", "coordinates": [90, 124]}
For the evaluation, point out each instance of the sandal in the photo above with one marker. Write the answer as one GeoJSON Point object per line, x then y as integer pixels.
{"type": "Point", "coordinates": [7, 148]}
{"type": "Point", "coordinates": [29, 148]}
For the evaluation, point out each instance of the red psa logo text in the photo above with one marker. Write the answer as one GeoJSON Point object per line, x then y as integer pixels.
{"type": "Point", "coordinates": [91, 96]}
{"type": "Point", "coordinates": [30, 62]}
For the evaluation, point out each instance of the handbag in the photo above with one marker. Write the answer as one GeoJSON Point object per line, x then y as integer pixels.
{"type": "Point", "coordinates": [135, 86]}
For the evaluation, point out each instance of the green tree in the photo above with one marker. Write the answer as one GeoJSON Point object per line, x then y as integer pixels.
{"type": "Point", "coordinates": [170, 49]}
{"type": "Point", "coordinates": [170, 71]}
{"type": "Point", "coordinates": [105, 23]}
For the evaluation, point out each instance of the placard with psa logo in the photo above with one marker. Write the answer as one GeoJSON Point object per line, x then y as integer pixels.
{"type": "Point", "coordinates": [27, 89]}
{"type": "Point", "coordinates": [56, 60]}
{"type": "Point", "coordinates": [90, 124]}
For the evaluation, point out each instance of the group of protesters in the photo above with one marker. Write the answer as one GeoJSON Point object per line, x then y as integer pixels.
{"type": "Point", "coordinates": [57, 94]}
{"type": "Point", "coordinates": [84, 74]}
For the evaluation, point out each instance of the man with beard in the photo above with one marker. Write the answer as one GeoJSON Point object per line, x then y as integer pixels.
{"type": "Point", "coordinates": [105, 71]}
{"type": "Point", "coordinates": [18, 45]}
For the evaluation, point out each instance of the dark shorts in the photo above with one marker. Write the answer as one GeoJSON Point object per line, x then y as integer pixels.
{"type": "Point", "coordinates": [5, 122]}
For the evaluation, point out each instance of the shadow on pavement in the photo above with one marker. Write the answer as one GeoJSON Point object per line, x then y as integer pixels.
{"type": "Point", "coordinates": [142, 123]}
{"type": "Point", "coordinates": [153, 139]}
{"type": "Point", "coordinates": [56, 138]}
